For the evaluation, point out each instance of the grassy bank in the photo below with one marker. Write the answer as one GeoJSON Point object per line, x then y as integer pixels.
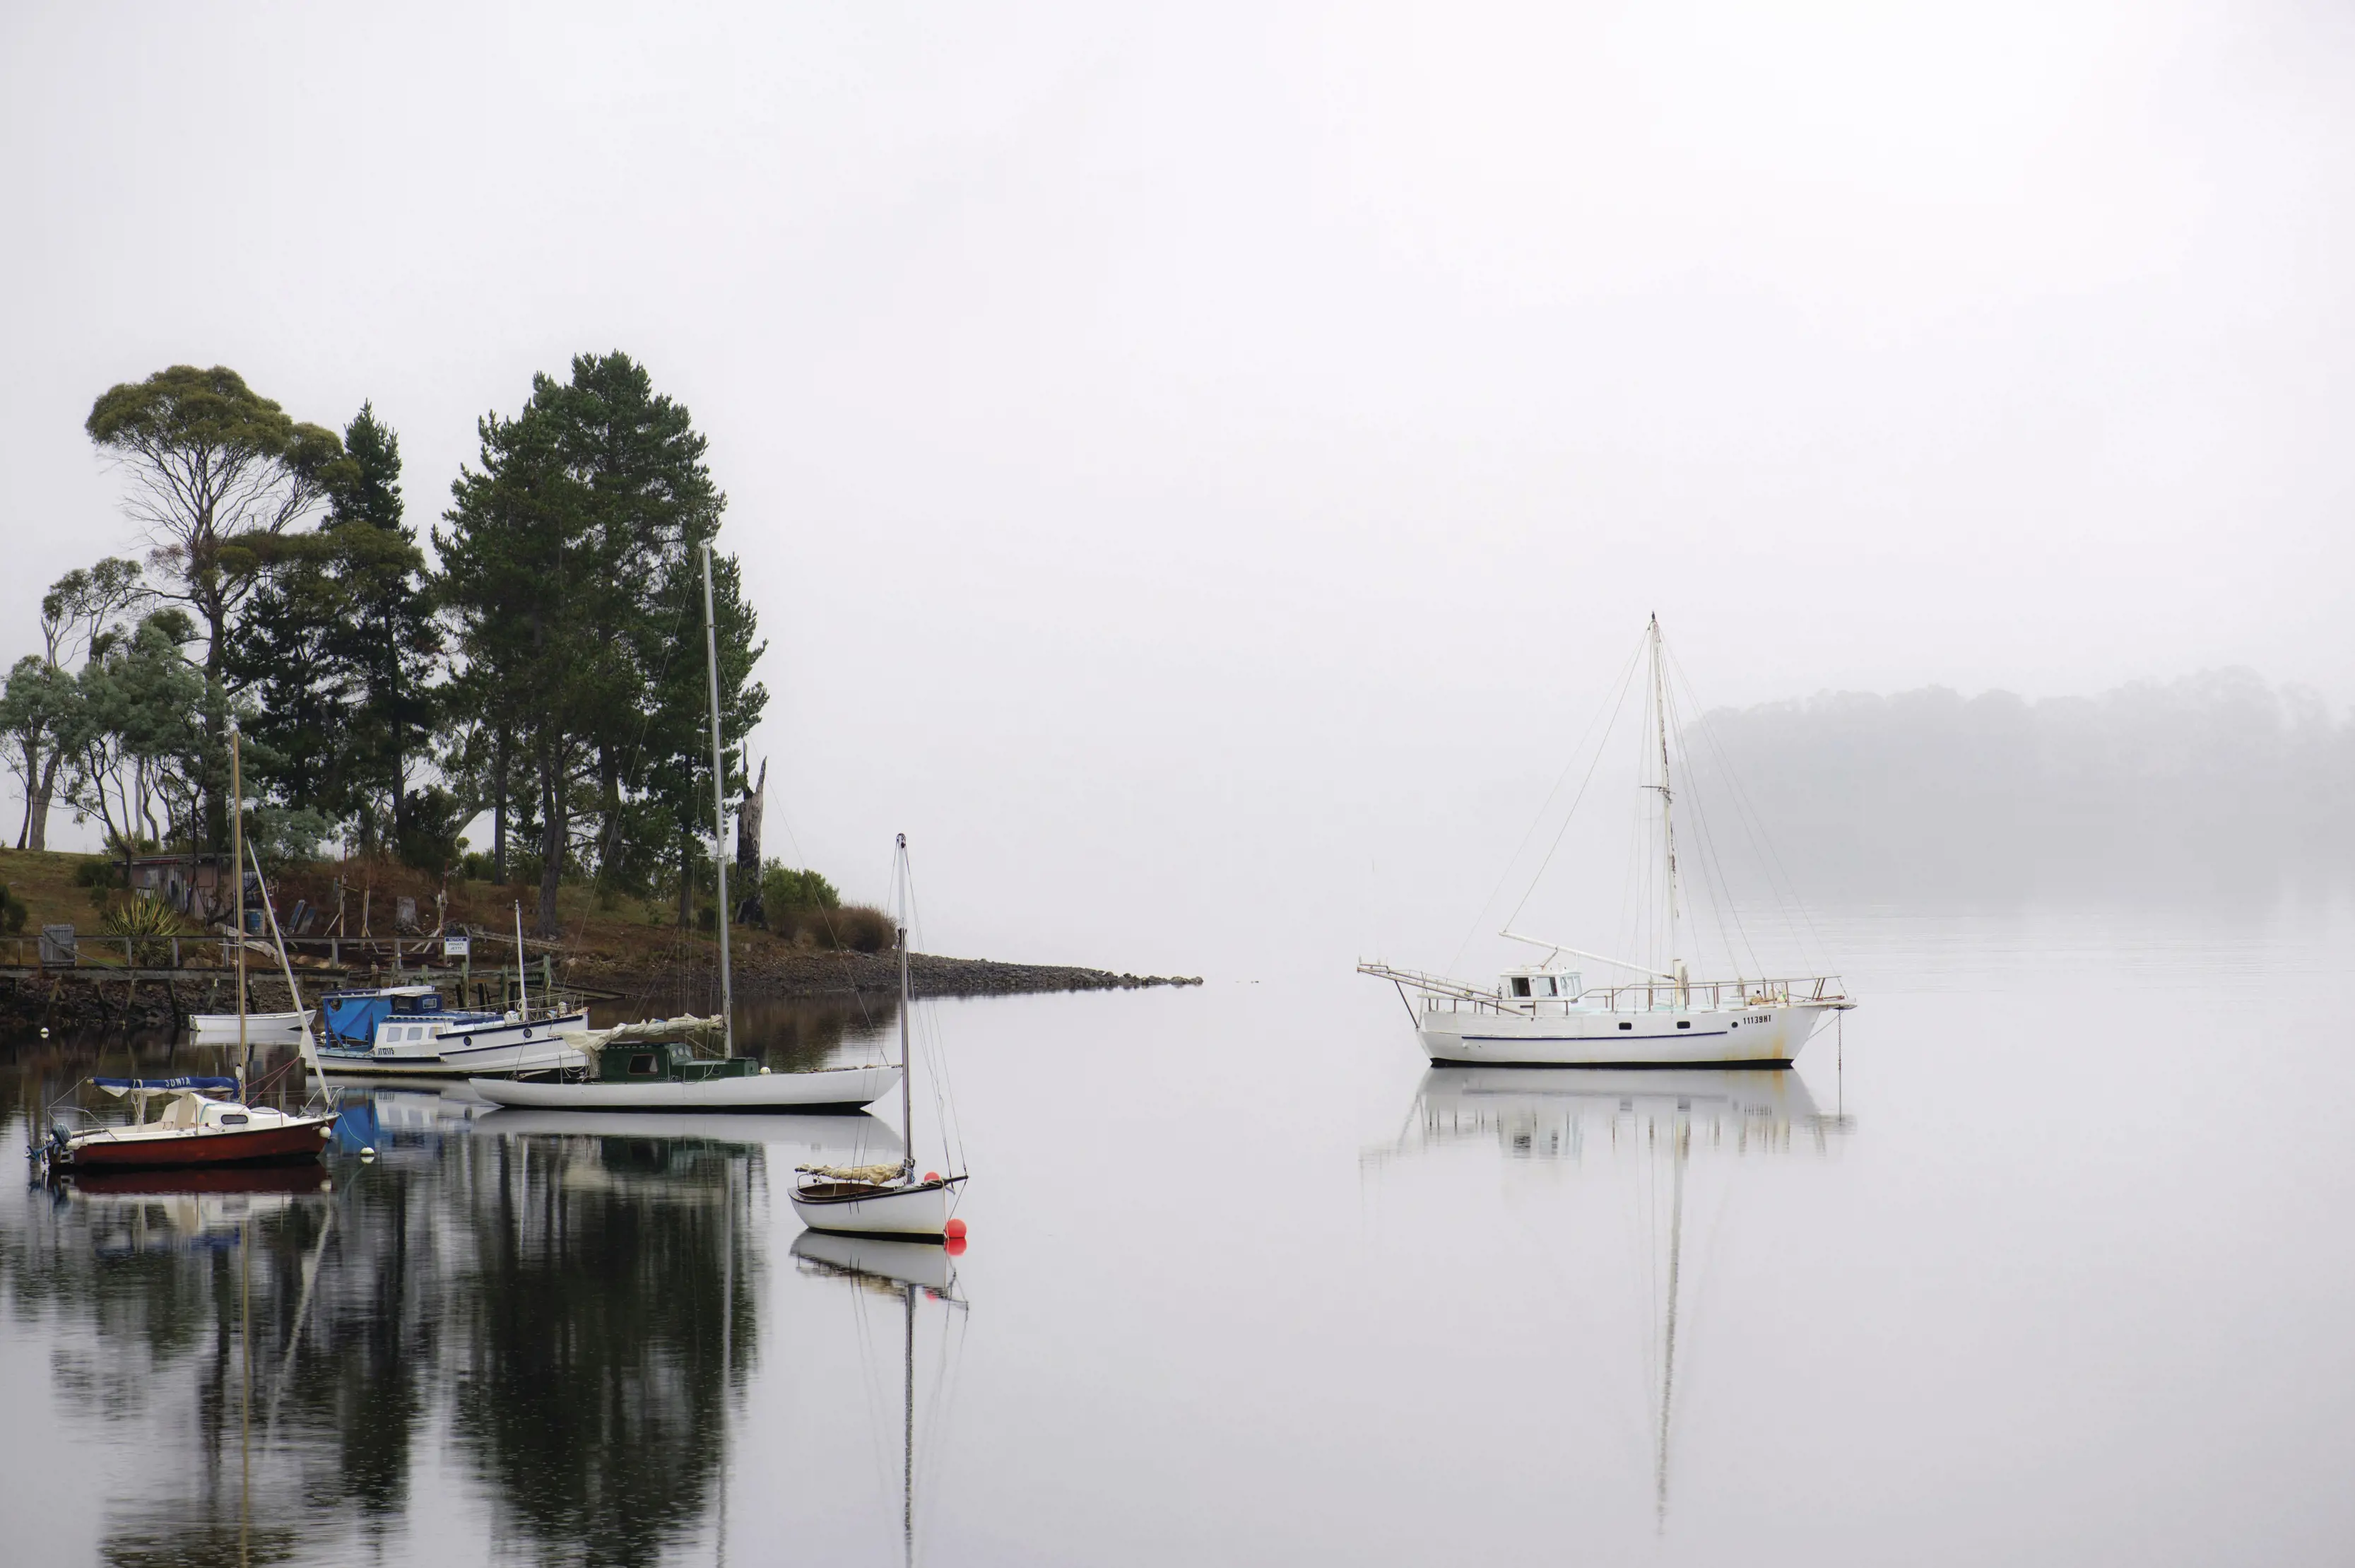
{"type": "Point", "coordinates": [618, 945]}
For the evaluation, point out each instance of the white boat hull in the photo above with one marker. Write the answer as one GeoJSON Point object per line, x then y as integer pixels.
{"type": "Point", "coordinates": [486, 1050]}
{"type": "Point", "coordinates": [921, 1210]}
{"type": "Point", "coordinates": [833, 1089]}
{"type": "Point", "coordinates": [1766, 1036]}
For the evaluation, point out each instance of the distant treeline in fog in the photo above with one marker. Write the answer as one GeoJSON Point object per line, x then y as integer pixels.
{"type": "Point", "coordinates": [2214, 776]}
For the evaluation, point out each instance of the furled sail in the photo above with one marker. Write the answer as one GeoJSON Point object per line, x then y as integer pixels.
{"type": "Point", "coordinates": [687, 1027]}
{"type": "Point", "coordinates": [118, 1087]}
{"type": "Point", "coordinates": [875, 1175]}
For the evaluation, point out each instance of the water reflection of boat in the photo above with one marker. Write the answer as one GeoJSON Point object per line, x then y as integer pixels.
{"type": "Point", "coordinates": [200, 1179]}
{"type": "Point", "coordinates": [891, 1268]}
{"type": "Point", "coordinates": [1643, 1124]}
{"type": "Point", "coordinates": [874, 1259]}
{"type": "Point", "coordinates": [1548, 1112]}
{"type": "Point", "coordinates": [860, 1137]}
{"type": "Point", "coordinates": [132, 1211]}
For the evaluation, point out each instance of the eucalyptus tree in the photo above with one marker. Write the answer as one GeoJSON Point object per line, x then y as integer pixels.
{"type": "Point", "coordinates": [216, 469]}
{"type": "Point", "coordinates": [137, 736]}
{"type": "Point", "coordinates": [39, 697]}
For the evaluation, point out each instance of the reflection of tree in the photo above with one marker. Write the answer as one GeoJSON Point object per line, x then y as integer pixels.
{"type": "Point", "coordinates": [591, 1347]}
{"type": "Point", "coordinates": [569, 1306]}
{"type": "Point", "coordinates": [805, 1033]}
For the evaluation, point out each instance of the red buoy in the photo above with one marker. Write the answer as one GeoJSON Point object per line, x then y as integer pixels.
{"type": "Point", "coordinates": [955, 1230]}
{"type": "Point", "coordinates": [955, 1245]}
{"type": "Point", "coordinates": [931, 1175]}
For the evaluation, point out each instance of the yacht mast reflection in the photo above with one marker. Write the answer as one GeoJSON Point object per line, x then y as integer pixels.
{"type": "Point", "coordinates": [905, 1270]}
{"type": "Point", "coordinates": [1652, 1118]}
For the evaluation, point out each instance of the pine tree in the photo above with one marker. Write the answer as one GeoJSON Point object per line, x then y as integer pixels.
{"type": "Point", "coordinates": [572, 564]}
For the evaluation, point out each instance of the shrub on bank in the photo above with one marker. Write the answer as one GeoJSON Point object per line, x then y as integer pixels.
{"type": "Point", "coordinates": [859, 928]}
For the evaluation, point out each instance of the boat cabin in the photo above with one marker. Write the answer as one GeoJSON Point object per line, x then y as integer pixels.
{"type": "Point", "coordinates": [352, 1017]}
{"type": "Point", "coordinates": [1541, 983]}
{"type": "Point", "coordinates": [667, 1061]}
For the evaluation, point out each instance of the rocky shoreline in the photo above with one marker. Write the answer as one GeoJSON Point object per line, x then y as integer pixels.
{"type": "Point", "coordinates": [88, 1000]}
{"type": "Point", "coordinates": [781, 976]}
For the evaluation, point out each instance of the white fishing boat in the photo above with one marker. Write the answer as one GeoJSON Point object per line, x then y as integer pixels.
{"type": "Point", "coordinates": [657, 1065]}
{"type": "Point", "coordinates": [885, 1199]}
{"type": "Point", "coordinates": [1658, 1015]}
{"type": "Point", "coordinates": [405, 1031]}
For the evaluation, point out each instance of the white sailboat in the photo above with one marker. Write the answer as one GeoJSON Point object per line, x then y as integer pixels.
{"type": "Point", "coordinates": [655, 1066]}
{"type": "Point", "coordinates": [1545, 1014]}
{"type": "Point", "coordinates": [883, 1200]}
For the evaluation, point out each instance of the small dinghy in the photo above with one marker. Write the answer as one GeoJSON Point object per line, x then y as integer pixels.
{"type": "Point", "coordinates": [257, 1025]}
{"type": "Point", "coordinates": [884, 1199]}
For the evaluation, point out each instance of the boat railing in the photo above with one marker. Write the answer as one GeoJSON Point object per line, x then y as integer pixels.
{"type": "Point", "coordinates": [1441, 995]}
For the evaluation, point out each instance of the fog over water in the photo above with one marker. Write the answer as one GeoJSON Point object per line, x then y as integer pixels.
{"type": "Point", "coordinates": [1196, 469]}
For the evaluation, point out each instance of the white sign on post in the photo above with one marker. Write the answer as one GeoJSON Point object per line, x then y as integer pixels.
{"type": "Point", "coordinates": [456, 946]}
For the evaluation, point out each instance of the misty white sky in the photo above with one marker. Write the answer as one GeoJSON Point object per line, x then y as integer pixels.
{"type": "Point", "coordinates": [1198, 468]}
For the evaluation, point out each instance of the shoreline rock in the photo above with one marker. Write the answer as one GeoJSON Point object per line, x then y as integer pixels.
{"type": "Point", "coordinates": [781, 977]}
{"type": "Point", "coordinates": [90, 999]}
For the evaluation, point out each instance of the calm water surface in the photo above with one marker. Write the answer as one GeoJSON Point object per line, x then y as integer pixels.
{"type": "Point", "coordinates": [2047, 1259]}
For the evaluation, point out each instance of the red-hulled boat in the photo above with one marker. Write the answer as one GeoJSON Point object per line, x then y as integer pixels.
{"type": "Point", "coordinates": [194, 1129]}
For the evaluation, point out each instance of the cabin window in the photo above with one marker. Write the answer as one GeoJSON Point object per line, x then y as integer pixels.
{"type": "Point", "coordinates": [1627, 1026]}
{"type": "Point", "coordinates": [1521, 984]}
{"type": "Point", "coordinates": [1684, 1023]}
{"type": "Point", "coordinates": [232, 1120]}
{"type": "Point", "coordinates": [1545, 986]}
{"type": "Point", "coordinates": [642, 1066]}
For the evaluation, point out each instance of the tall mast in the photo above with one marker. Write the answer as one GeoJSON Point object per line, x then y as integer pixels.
{"type": "Point", "coordinates": [237, 871]}
{"type": "Point", "coordinates": [1668, 816]}
{"type": "Point", "coordinates": [907, 1098]}
{"type": "Point", "coordinates": [719, 806]}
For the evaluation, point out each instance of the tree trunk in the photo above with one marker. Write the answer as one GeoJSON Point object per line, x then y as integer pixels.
{"type": "Point", "coordinates": [40, 816]}
{"type": "Point", "coordinates": [608, 771]}
{"type": "Point", "coordinates": [500, 809]}
{"type": "Point", "coordinates": [34, 805]}
{"type": "Point", "coordinates": [687, 881]}
{"type": "Point", "coordinates": [749, 911]}
{"type": "Point", "coordinates": [554, 830]}
{"type": "Point", "coordinates": [216, 808]}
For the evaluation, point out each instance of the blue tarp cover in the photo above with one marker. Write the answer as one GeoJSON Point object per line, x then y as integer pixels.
{"type": "Point", "coordinates": [165, 1083]}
